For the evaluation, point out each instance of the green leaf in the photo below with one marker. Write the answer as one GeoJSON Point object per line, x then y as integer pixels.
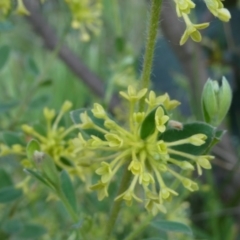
{"type": "Point", "coordinates": [11, 138]}
{"type": "Point", "coordinates": [5, 26]}
{"type": "Point", "coordinates": [120, 44]}
{"type": "Point", "coordinates": [9, 194]}
{"type": "Point", "coordinates": [32, 231]}
{"type": "Point", "coordinates": [45, 83]}
{"type": "Point", "coordinates": [40, 101]}
{"type": "Point", "coordinates": [155, 238]}
{"type": "Point", "coordinates": [188, 130]}
{"type": "Point", "coordinates": [170, 226]}
{"type": "Point", "coordinates": [5, 179]}
{"type": "Point", "coordinates": [32, 146]}
{"type": "Point", "coordinates": [38, 176]}
{"type": "Point", "coordinates": [148, 125]}
{"type": "Point", "coordinates": [48, 169]}
{"type": "Point", "coordinates": [68, 189]}
{"type": "Point", "coordinates": [4, 54]}
{"type": "Point", "coordinates": [12, 226]}
{"type": "Point", "coordinates": [33, 66]}
{"type": "Point", "coordinates": [75, 116]}
{"type": "Point", "coordinates": [5, 107]}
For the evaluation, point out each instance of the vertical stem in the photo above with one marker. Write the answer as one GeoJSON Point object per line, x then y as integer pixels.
{"type": "Point", "coordinates": [147, 68]}
{"type": "Point", "coordinates": [141, 227]}
{"type": "Point", "coordinates": [117, 204]}
{"type": "Point", "coordinates": [150, 45]}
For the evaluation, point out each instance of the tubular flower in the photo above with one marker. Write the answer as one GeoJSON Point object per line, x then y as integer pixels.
{"type": "Point", "coordinates": [5, 6]}
{"type": "Point", "coordinates": [183, 9]}
{"type": "Point", "coordinates": [217, 9]}
{"type": "Point", "coordinates": [192, 30]}
{"type": "Point", "coordinates": [85, 16]}
{"type": "Point", "coordinates": [183, 6]}
{"type": "Point", "coordinates": [21, 9]}
{"type": "Point", "coordinates": [147, 157]}
{"type": "Point", "coordinates": [53, 140]}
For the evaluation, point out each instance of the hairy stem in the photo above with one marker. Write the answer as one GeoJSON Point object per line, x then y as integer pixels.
{"type": "Point", "coordinates": [150, 46]}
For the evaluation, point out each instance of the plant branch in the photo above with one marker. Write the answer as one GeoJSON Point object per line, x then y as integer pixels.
{"type": "Point", "coordinates": [117, 204]}
{"type": "Point", "coordinates": [74, 63]}
{"type": "Point", "coordinates": [150, 46]}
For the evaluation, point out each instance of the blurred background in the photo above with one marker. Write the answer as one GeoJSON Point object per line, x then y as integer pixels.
{"type": "Point", "coordinates": [44, 61]}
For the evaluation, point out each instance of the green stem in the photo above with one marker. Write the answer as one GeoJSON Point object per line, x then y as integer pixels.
{"type": "Point", "coordinates": [117, 204]}
{"type": "Point", "coordinates": [71, 212]}
{"type": "Point", "coordinates": [150, 46]}
{"type": "Point", "coordinates": [135, 234]}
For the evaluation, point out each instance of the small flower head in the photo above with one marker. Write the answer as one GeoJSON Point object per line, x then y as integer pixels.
{"type": "Point", "coordinates": [86, 120]}
{"type": "Point", "coordinates": [133, 95]}
{"type": "Point", "coordinates": [86, 17]}
{"type": "Point", "coordinates": [49, 114]}
{"type": "Point", "coordinates": [101, 189]}
{"type": "Point", "coordinates": [135, 167]}
{"type": "Point", "coordinates": [21, 9]}
{"type": "Point", "coordinates": [161, 119]}
{"type": "Point", "coordinates": [189, 184]}
{"type": "Point", "coordinates": [146, 178]}
{"type": "Point", "coordinates": [197, 139]}
{"type": "Point", "coordinates": [67, 105]}
{"type": "Point", "coordinates": [105, 172]}
{"type": "Point", "coordinates": [98, 111]}
{"type": "Point", "coordinates": [128, 197]}
{"type": "Point", "coordinates": [114, 140]}
{"type": "Point", "coordinates": [183, 6]}
{"type": "Point", "coordinates": [192, 31]}
{"type": "Point", "coordinates": [217, 9]}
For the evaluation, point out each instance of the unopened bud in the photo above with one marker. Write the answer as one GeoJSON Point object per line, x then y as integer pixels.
{"type": "Point", "coordinates": [216, 101]}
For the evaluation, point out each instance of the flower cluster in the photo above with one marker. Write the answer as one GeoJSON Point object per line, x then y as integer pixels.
{"type": "Point", "coordinates": [148, 158]}
{"type": "Point", "coordinates": [85, 16]}
{"type": "Point", "coordinates": [183, 9]}
{"type": "Point", "coordinates": [54, 140]}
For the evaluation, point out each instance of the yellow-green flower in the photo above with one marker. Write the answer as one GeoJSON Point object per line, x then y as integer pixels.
{"type": "Point", "coordinates": [132, 94]}
{"type": "Point", "coordinates": [55, 142]}
{"type": "Point", "coordinates": [148, 159]}
{"type": "Point", "coordinates": [192, 30]}
{"type": "Point", "coordinates": [217, 9]}
{"type": "Point", "coordinates": [21, 9]}
{"type": "Point", "coordinates": [160, 119]}
{"type": "Point", "coordinates": [5, 6]}
{"type": "Point", "coordinates": [86, 16]}
{"type": "Point", "coordinates": [183, 6]}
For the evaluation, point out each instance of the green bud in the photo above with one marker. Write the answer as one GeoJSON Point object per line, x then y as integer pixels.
{"type": "Point", "coordinates": [216, 101]}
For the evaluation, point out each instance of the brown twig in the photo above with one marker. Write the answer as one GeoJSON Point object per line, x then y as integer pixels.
{"type": "Point", "coordinates": [75, 64]}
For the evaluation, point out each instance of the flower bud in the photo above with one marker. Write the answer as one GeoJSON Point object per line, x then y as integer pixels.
{"type": "Point", "coordinates": [216, 101]}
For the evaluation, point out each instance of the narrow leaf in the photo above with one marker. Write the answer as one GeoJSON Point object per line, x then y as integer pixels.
{"type": "Point", "coordinates": [32, 146]}
{"type": "Point", "coordinates": [170, 226]}
{"type": "Point", "coordinates": [9, 194]}
{"type": "Point", "coordinates": [68, 189]}
{"type": "Point", "coordinates": [38, 176]}
{"type": "Point", "coordinates": [32, 231]}
{"type": "Point", "coordinates": [4, 54]}
{"type": "Point", "coordinates": [5, 179]}
{"type": "Point", "coordinates": [11, 138]}
{"type": "Point", "coordinates": [188, 130]}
